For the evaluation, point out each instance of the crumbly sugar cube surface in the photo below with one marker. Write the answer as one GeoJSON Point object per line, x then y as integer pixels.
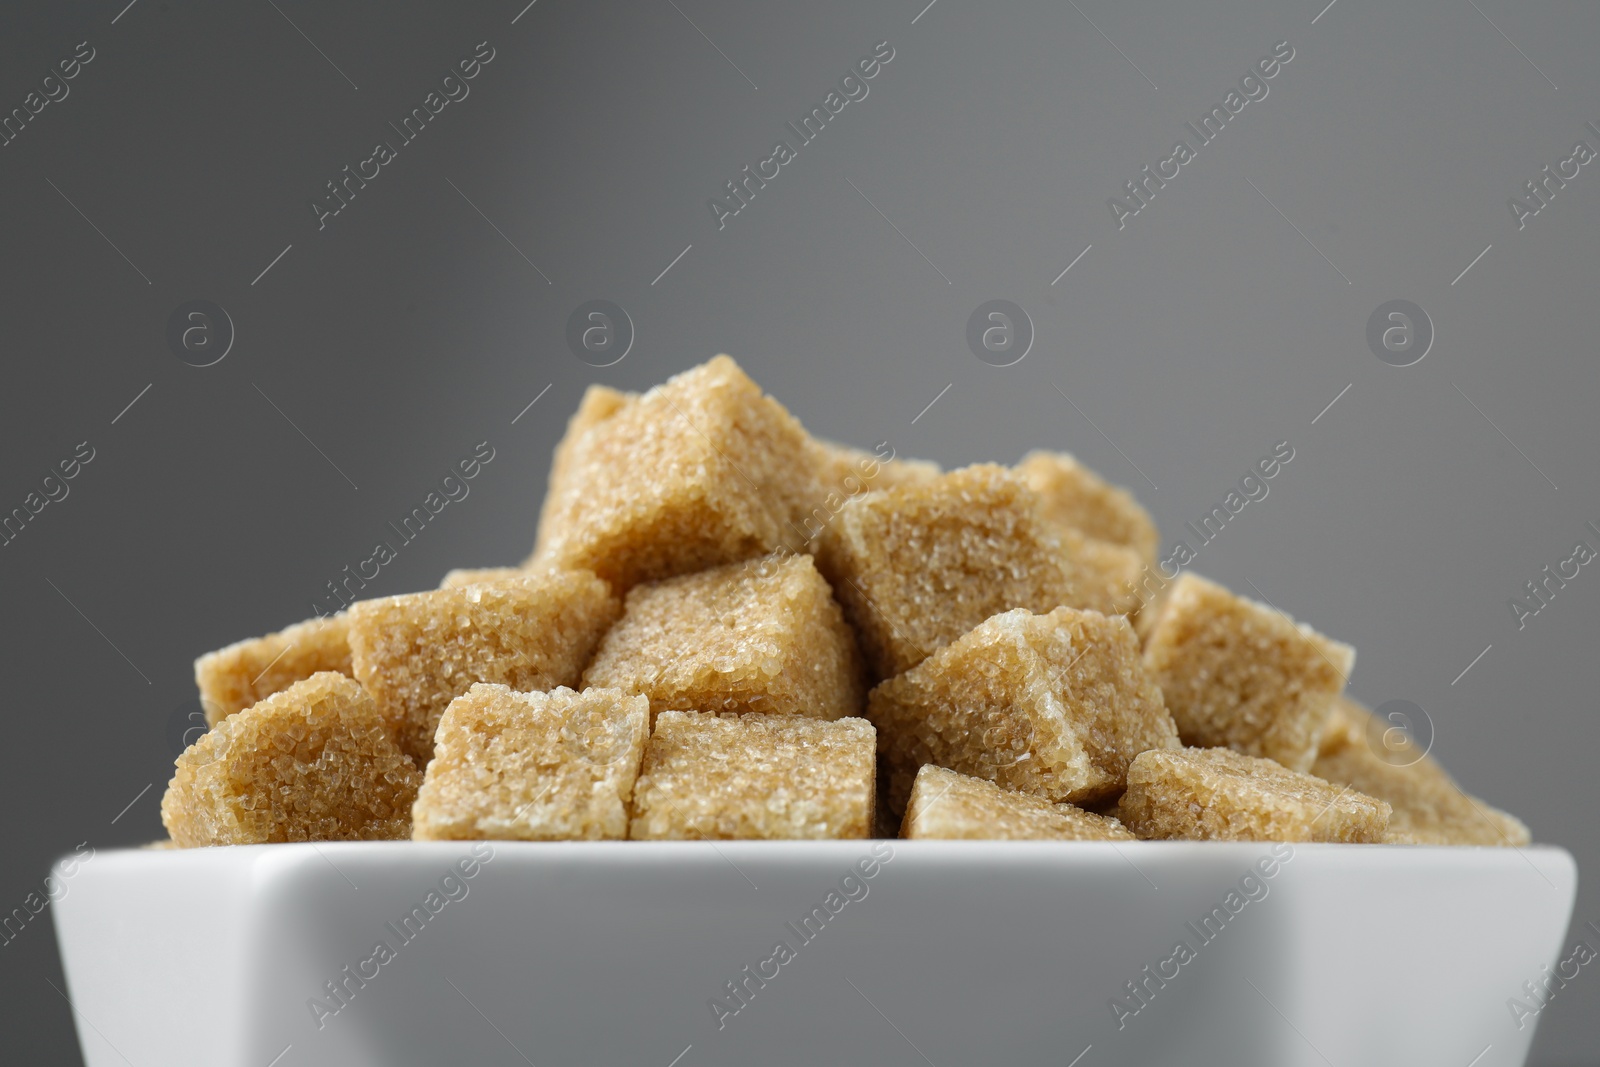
{"type": "Point", "coordinates": [1077, 497]}
{"type": "Point", "coordinates": [231, 679]}
{"type": "Point", "coordinates": [1152, 596]}
{"type": "Point", "coordinates": [1057, 705]}
{"type": "Point", "coordinates": [556, 766]}
{"type": "Point", "coordinates": [1346, 719]}
{"type": "Point", "coordinates": [474, 575]}
{"type": "Point", "coordinates": [703, 470]}
{"type": "Point", "coordinates": [762, 636]}
{"type": "Point", "coordinates": [951, 806]}
{"type": "Point", "coordinates": [1215, 794]}
{"type": "Point", "coordinates": [918, 566]}
{"type": "Point", "coordinates": [848, 471]}
{"type": "Point", "coordinates": [1243, 675]}
{"type": "Point", "coordinates": [416, 653]}
{"type": "Point", "coordinates": [314, 762]}
{"type": "Point", "coordinates": [1105, 577]}
{"type": "Point", "coordinates": [1363, 753]}
{"type": "Point", "coordinates": [599, 403]}
{"type": "Point", "coordinates": [724, 777]}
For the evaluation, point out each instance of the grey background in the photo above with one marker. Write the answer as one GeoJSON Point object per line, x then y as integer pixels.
{"type": "Point", "coordinates": [409, 329]}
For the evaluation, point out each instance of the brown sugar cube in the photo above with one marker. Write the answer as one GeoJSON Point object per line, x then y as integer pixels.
{"type": "Point", "coordinates": [700, 471]}
{"type": "Point", "coordinates": [1150, 600]}
{"type": "Point", "coordinates": [1057, 705]}
{"type": "Point", "coordinates": [556, 766]}
{"type": "Point", "coordinates": [849, 470]}
{"type": "Point", "coordinates": [312, 763]}
{"type": "Point", "coordinates": [233, 678]}
{"type": "Point", "coordinates": [916, 567]}
{"type": "Point", "coordinates": [1345, 723]}
{"type": "Point", "coordinates": [474, 575]}
{"type": "Point", "coordinates": [416, 653]}
{"type": "Point", "coordinates": [1363, 753]}
{"type": "Point", "coordinates": [1243, 675]}
{"type": "Point", "coordinates": [761, 636]}
{"type": "Point", "coordinates": [754, 776]}
{"type": "Point", "coordinates": [954, 806]}
{"type": "Point", "coordinates": [1077, 497]}
{"type": "Point", "coordinates": [1214, 794]}
{"type": "Point", "coordinates": [843, 473]}
{"type": "Point", "coordinates": [1105, 576]}
{"type": "Point", "coordinates": [599, 403]}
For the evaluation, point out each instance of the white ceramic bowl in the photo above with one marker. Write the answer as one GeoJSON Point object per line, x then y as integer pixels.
{"type": "Point", "coordinates": [939, 953]}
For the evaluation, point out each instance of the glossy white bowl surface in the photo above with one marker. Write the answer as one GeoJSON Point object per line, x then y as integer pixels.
{"type": "Point", "coordinates": [914, 953]}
